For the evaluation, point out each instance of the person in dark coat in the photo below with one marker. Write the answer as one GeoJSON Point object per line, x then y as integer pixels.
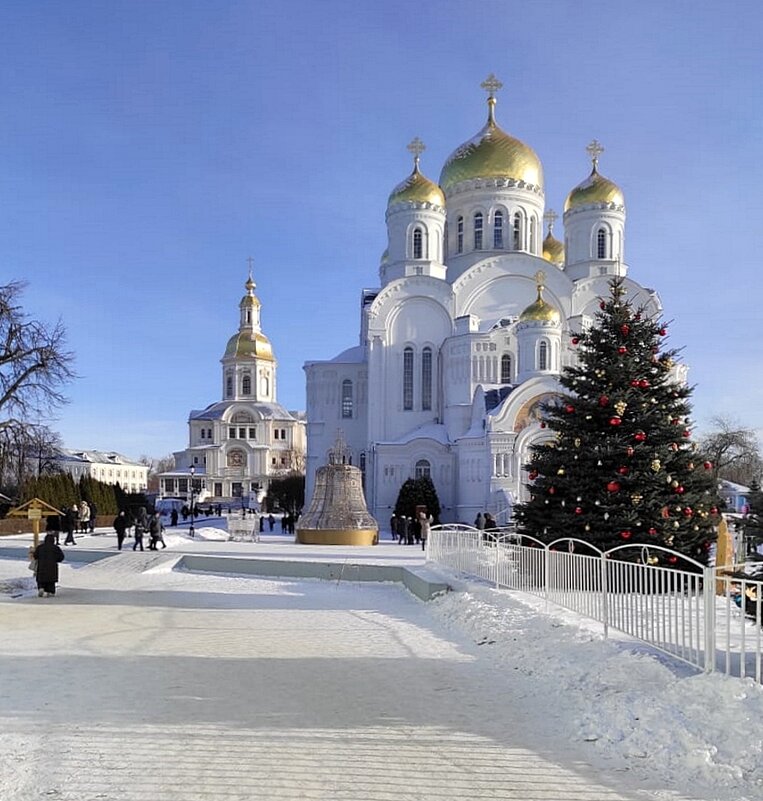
{"type": "Point", "coordinates": [141, 525]}
{"type": "Point", "coordinates": [120, 526]}
{"type": "Point", "coordinates": [174, 517]}
{"type": "Point", "coordinates": [155, 531]}
{"type": "Point", "coordinates": [393, 526]}
{"type": "Point", "coordinates": [48, 555]}
{"type": "Point", "coordinates": [402, 529]}
{"type": "Point", "coordinates": [93, 517]}
{"type": "Point", "coordinates": [70, 523]}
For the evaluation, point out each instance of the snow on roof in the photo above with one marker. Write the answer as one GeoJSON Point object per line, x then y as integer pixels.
{"type": "Point", "coordinates": [350, 356]}
{"type": "Point", "coordinates": [435, 431]}
{"type": "Point", "coordinates": [730, 486]}
{"type": "Point", "coordinates": [99, 457]}
{"type": "Point", "coordinates": [216, 411]}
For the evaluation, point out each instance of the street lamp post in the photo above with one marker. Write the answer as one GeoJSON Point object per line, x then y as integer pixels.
{"type": "Point", "coordinates": [192, 530]}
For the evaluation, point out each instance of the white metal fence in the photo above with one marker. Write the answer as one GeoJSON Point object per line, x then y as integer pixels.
{"type": "Point", "coordinates": [708, 619]}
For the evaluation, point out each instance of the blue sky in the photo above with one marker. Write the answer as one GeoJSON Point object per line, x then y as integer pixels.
{"type": "Point", "coordinates": [149, 148]}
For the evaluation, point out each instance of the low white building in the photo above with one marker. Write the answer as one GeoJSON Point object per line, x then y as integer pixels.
{"type": "Point", "coordinates": [108, 467]}
{"type": "Point", "coordinates": [238, 444]}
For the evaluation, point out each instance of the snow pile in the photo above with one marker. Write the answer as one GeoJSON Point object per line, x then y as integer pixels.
{"type": "Point", "coordinates": [685, 728]}
{"type": "Point", "coordinates": [180, 536]}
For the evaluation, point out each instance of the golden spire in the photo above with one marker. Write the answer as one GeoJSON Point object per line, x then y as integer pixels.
{"type": "Point", "coordinates": [540, 310]}
{"type": "Point", "coordinates": [491, 85]}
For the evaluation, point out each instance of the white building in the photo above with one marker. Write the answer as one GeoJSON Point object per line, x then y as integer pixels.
{"type": "Point", "coordinates": [474, 318]}
{"type": "Point", "coordinates": [105, 466]}
{"type": "Point", "coordinates": [238, 444]}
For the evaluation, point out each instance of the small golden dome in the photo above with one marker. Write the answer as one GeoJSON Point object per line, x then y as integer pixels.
{"type": "Point", "coordinates": [492, 153]}
{"type": "Point", "coordinates": [553, 249]}
{"type": "Point", "coordinates": [596, 189]}
{"type": "Point", "coordinates": [250, 343]}
{"type": "Point", "coordinates": [417, 188]}
{"type": "Point", "coordinates": [540, 310]}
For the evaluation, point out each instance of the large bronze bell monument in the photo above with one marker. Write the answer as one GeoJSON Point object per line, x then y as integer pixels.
{"type": "Point", "coordinates": [337, 514]}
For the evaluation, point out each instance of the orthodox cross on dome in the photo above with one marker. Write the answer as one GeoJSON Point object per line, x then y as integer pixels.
{"type": "Point", "coordinates": [416, 148]}
{"type": "Point", "coordinates": [540, 280]}
{"type": "Point", "coordinates": [491, 85]}
{"type": "Point", "coordinates": [550, 217]}
{"type": "Point", "coordinates": [594, 150]}
{"type": "Point", "coordinates": [250, 285]}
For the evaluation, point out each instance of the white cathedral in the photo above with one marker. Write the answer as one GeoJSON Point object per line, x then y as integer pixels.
{"type": "Point", "coordinates": [470, 328]}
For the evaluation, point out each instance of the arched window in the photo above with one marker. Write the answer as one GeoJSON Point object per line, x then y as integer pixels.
{"type": "Point", "coordinates": [505, 369]}
{"type": "Point", "coordinates": [460, 235]}
{"type": "Point", "coordinates": [601, 244]}
{"type": "Point", "coordinates": [229, 386]}
{"type": "Point", "coordinates": [543, 356]}
{"type": "Point", "coordinates": [423, 469]}
{"type": "Point", "coordinates": [498, 230]}
{"type": "Point", "coordinates": [533, 226]}
{"type": "Point", "coordinates": [517, 233]}
{"type": "Point", "coordinates": [426, 378]}
{"type": "Point", "coordinates": [408, 379]}
{"type": "Point", "coordinates": [265, 386]}
{"type": "Point", "coordinates": [246, 385]}
{"type": "Point", "coordinates": [418, 244]}
{"type": "Point", "coordinates": [478, 231]}
{"type": "Point", "coordinates": [347, 398]}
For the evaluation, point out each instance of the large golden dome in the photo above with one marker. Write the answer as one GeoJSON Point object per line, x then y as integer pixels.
{"type": "Point", "coordinates": [250, 343]}
{"type": "Point", "coordinates": [540, 310]}
{"type": "Point", "coordinates": [492, 153]}
{"type": "Point", "coordinates": [596, 188]}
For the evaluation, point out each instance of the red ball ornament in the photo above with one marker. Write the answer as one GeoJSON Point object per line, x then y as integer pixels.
{"type": "Point", "coordinates": [542, 425]}
{"type": "Point", "coordinates": [639, 436]}
{"type": "Point", "coordinates": [626, 535]}
{"type": "Point", "coordinates": [622, 349]}
{"type": "Point", "coordinates": [713, 510]}
{"type": "Point", "coordinates": [672, 559]}
{"type": "Point", "coordinates": [643, 383]}
{"type": "Point", "coordinates": [615, 421]}
{"type": "Point", "coordinates": [687, 433]}
{"type": "Point", "coordinates": [629, 451]}
{"type": "Point", "coordinates": [575, 340]}
{"type": "Point", "coordinates": [602, 305]}
{"type": "Point", "coordinates": [688, 512]}
{"type": "Point", "coordinates": [623, 470]}
{"type": "Point", "coordinates": [578, 510]}
{"type": "Point", "coordinates": [569, 408]}
{"type": "Point", "coordinates": [707, 465]}
{"type": "Point", "coordinates": [653, 531]}
{"type": "Point", "coordinates": [680, 490]}
{"type": "Point", "coordinates": [663, 332]}
{"type": "Point", "coordinates": [532, 475]}
{"type": "Point", "coordinates": [637, 316]}
{"type": "Point", "coordinates": [603, 400]}
{"type": "Point", "coordinates": [634, 383]}
{"type": "Point", "coordinates": [613, 486]}
{"type": "Point", "coordinates": [625, 329]}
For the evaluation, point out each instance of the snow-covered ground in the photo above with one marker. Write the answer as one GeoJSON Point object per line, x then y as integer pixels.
{"type": "Point", "coordinates": [143, 683]}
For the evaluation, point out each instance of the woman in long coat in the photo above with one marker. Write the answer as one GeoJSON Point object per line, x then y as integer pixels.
{"type": "Point", "coordinates": [48, 555]}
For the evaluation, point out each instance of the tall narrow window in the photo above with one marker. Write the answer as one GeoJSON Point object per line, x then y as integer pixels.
{"type": "Point", "coordinates": [408, 379]}
{"type": "Point", "coordinates": [423, 469]}
{"type": "Point", "coordinates": [229, 387]}
{"type": "Point", "coordinates": [532, 234]}
{"type": "Point", "coordinates": [498, 230]}
{"type": "Point", "coordinates": [246, 385]}
{"type": "Point", "coordinates": [478, 231]}
{"type": "Point", "coordinates": [543, 356]}
{"type": "Point", "coordinates": [264, 386]}
{"type": "Point", "coordinates": [347, 398]}
{"type": "Point", "coordinates": [426, 379]}
{"type": "Point", "coordinates": [418, 244]}
{"type": "Point", "coordinates": [505, 369]}
{"type": "Point", "coordinates": [601, 244]}
{"type": "Point", "coordinates": [517, 231]}
{"type": "Point", "coordinates": [460, 235]}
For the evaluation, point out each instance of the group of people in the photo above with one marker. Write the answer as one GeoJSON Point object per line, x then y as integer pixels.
{"type": "Point", "coordinates": [142, 524]}
{"type": "Point", "coordinates": [77, 518]}
{"type": "Point", "coordinates": [288, 523]}
{"type": "Point", "coordinates": [485, 522]}
{"type": "Point", "coordinates": [408, 530]}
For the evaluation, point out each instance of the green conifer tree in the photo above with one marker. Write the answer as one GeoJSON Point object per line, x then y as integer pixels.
{"type": "Point", "coordinates": [622, 468]}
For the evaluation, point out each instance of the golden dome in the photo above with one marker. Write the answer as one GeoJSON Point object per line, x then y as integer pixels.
{"type": "Point", "coordinates": [417, 188]}
{"type": "Point", "coordinates": [553, 249]}
{"type": "Point", "coordinates": [492, 153]}
{"type": "Point", "coordinates": [540, 310]}
{"type": "Point", "coordinates": [249, 343]}
{"type": "Point", "coordinates": [596, 188]}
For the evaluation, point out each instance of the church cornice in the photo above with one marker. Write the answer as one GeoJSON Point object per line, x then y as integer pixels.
{"type": "Point", "coordinates": [408, 205]}
{"type": "Point", "coordinates": [618, 207]}
{"type": "Point", "coordinates": [492, 183]}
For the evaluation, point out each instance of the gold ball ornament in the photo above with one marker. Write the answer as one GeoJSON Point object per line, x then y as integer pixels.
{"type": "Point", "coordinates": [656, 465]}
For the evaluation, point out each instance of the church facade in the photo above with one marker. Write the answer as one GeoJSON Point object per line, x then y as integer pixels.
{"type": "Point", "coordinates": [474, 318]}
{"type": "Point", "coordinates": [238, 444]}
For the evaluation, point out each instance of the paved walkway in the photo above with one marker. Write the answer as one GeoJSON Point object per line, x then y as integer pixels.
{"type": "Point", "coordinates": [162, 686]}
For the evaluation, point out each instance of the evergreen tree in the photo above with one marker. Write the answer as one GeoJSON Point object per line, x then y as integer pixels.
{"type": "Point", "coordinates": [622, 468]}
{"type": "Point", "coordinates": [418, 492]}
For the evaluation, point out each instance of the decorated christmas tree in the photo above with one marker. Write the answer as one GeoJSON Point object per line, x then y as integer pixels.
{"type": "Point", "coordinates": [620, 466]}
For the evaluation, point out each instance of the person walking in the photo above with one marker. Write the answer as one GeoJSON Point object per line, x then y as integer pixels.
{"type": "Point", "coordinates": [155, 532]}
{"type": "Point", "coordinates": [479, 522]}
{"type": "Point", "coordinates": [84, 517]}
{"type": "Point", "coordinates": [271, 521]}
{"type": "Point", "coordinates": [53, 526]}
{"type": "Point", "coordinates": [93, 517]}
{"type": "Point", "coordinates": [425, 521]}
{"type": "Point", "coordinates": [71, 517]}
{"type": "Point", "coordinates": [141, 524]}
{"type": "Point", "coordinates": [47, 555]}
{"type": "Point", "coordinates": [402, 530]}
{"type": "Point", "coordinates": [120, 526]}
{"type": "Point", "coordinates": [393, 526]}
{"type": "Point", "coordinates": [174, 517]}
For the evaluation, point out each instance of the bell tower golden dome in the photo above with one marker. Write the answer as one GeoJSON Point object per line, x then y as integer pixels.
{"type": "Point", "coordinates": [596, 189]}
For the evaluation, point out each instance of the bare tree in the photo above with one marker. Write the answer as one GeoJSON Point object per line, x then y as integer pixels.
{"type": "Point", "coordinates": [25, 451]}
{"type": "Point", "coordinates": [734, 451]}
{"type": "Point", "coordinates": [34, 362]}
{"type": "Point", "coordinates": [156, 466]}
